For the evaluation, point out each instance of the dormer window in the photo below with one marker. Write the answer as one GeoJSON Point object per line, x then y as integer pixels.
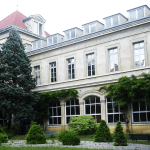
{"type": "Point", "coordinates": [53, 39]}
{"type": "Point", "coordinates": [36, 44]}
{"type": "Point", "coordinates": [139, 12]}
{"type": "Point", "coordinates": [114, 20]}
{"type": "Point", "coordinates": [72, 33]}
{"type": "Point", "coordinates": [35, 27]}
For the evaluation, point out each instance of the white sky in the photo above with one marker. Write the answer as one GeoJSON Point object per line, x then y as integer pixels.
{"type": "Point", "coordinates": [61, 15]}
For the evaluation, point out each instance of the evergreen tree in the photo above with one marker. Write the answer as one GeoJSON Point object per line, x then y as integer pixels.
{"type": "Point", "coordinates": [103, 133]}
{"type": "Point", "coordinates": [120, 139]}
{"type": "Point", "coordinates": [16, 80]}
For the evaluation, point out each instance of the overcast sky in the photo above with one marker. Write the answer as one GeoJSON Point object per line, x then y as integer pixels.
{"type": "Point", "coordinates": [61, 15]}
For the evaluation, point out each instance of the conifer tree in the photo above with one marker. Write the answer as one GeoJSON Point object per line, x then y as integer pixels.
{"type": "Point", "coordinates": [16, 80]}
{"type": "Point", "coordinates": [120, 139]}
{"type": "Point", "coordinates": [103, 133]}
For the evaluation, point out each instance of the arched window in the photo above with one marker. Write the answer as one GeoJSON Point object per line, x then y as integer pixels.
{"type": "Point", "coordinates": [92, 106]}
{"type": "Point", "coordinates": [72, 108]}
{"type": "Point", "coordinates": [55, 112]}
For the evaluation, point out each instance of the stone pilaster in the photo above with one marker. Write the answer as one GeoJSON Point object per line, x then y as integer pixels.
{"type": "Point", "coordinates": [81, 108]}
{"type": "Point", "coordinates": [103, 109]}
{"type": "Point", "coordinates": [62, 104]}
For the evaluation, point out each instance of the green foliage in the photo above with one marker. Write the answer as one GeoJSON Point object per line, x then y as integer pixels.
{"type": "Point", "coordinates": [68, 138]}
{"type": "Point", "coordinates": [82, 125]}
{"type": "Point", "coordinates": [120, 139]}
{"type": "Point", "coordinates": [103, 133]}
{"type": "Point", "coordinates": [35, 135]}
{"type": "Point", "coordinates": [16, 80]}
{"type": "Point", "coordinates": [3, 136]}
{"type": "Point", "coordinates": [10, 133]}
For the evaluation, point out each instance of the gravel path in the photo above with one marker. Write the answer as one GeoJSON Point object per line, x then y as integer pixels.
{"type": "Point", "coordinates": [83, 144]}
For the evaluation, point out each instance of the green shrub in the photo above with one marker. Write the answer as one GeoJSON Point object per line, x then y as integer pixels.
{"type": "Point", "coordinates": [120, 139]}
{"type": "Point", "coordinates": [35, 135]}
{"type": "Point", "coordinates": [3, 136]}
{"type": "Point", "coordinates": [103, 133]}
{"type": "Point", "coordinates": [68, 138]}
{"type": "Point", "coordinates": [83, 125]}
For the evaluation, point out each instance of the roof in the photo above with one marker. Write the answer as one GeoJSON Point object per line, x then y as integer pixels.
{"type": "Point", "coordinates": [16, 19]}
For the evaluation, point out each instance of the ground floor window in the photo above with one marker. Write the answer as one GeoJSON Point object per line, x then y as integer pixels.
{"type": "Point", "coordinates": [55, 112]}
{"type": "Point", "coordinates": [140, 111]}
{"type": "Point", "coordinates": [72, 108]}
{"type": "Point", "coordinates": [114, 113]}
{"type": "Point", "coordinates": [92, 106]}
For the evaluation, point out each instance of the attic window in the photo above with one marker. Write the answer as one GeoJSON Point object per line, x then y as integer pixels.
{"type": "Point", "coordinates": [140, 12]}
{"type": "Point", "coordinates": [70, 34]}
{"type": "Point", "coordinates": [35, 27]}
{"type": "Point", "coordinates": [36, 44]}
{"type": "Point", "coordinates": [90, 28]}
{"type": "Point", "coordinates": [133, 15]}
{"type": "Point", "coordinates": [112, 21]}
{"type": "Point", "coordinates": [52, 40]}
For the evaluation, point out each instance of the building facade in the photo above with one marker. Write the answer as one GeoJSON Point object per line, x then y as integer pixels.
{"type": "Point", "coordinates": [86, 60]}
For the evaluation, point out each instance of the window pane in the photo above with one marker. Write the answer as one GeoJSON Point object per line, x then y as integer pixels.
{"type": "Point", "coordinates": [136, 52]}
{"type": "Point", "coordinates": [143, 117]}
{"type": "Point", "coordinates": [59, 111]}
{"type": "Point", "coordinates": [50, 120]}
{"type": "Point", "coordinates": [115, 20]}
{"type": "Point", "coordinates": [50, 111]}
{"type": "Point", "coordinates": [98, 108]}
{"type": "Point", "coordinates": [108, 22]}
{"type": "Point", "coordinates": [73, 33]}
{"type": "Point", "coordinates": [92, 99]}
{"type": "Point", "coordinates": [86, 29]}
{"type": "Point", "coordinates": [97, 100]}
{"type": "Point", "coordinates": [39, 44]}
{"type": "Point", "coordinates": [110, 118]}
{"type": "Point", "coordinates": [109, 108]}
{"type": "Point", "coordinates": [148, 116]}
{"type": "Point", "coordinates": [93, 27]}
{"type": "Point", "coordinates": [34, 45]}
{"type": "Point", "coordinates": [68, 119]}
{"type": "Point", "coordinates": [87, 101]}
{"type": "Point", "coordinates": [116, 65]}
{"type": "Point", "coordinates": [136, 117]}
{"type": "Point", "coordinates": [59, 120]}
{"type": "Point", "coordinates": [67, 35]}
{"type": "Point", "coordinates": [67, 110]}
{"type": "Point", "coordinates": [142, 106]}
{"type": "Point", "coordinates": [142, 51]}
{"type": "Point", "coordinates": [115, 108]}
{"type": "Point", "coordinates": [55, 120]}
{"type": "Point", "coordinates": [140, 13]}
{"type": "Point", "coordinates": [35, 27]}
{"type": "Point", "coordinates": [89, 73]}
{"type": "Point", "coordinates": [92, 109]}
{"type": "Point", "coordinates": [135, 106]}
{"type": "Point", "coordinates": [50, 41]}
{"type": "Point", "coordinates": [54, 112]}
{"type": "Point", "coordinates": [87, 109]}
{"type": "Point", "coordinates": [116, 117]}
{"type": "Point", "coordinates": [76, 102]}
{"type": "Point", "coordinates": [133, 15]}
{"type": "Point", "coordinates": [72, 110]}
{"type": "Point", "coordinates": [137, 61]}
{"type": "Point", "coordinates": [142, 60]}
{"type": "Point", "coordinates": [77, 110]}
{"type": "Point", "coordinates": [54, 39]}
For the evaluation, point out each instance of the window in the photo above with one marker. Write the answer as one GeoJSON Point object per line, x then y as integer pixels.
{"type": "Point", "coordinates": [139, 56]}
{"type": "Point", "coordinates": [35, 27]}
{"type": "Point", "coordinates": [70, 34]}
{"type": "Point", "coordinates": [137, 14]}
{"type": "Point", "coordinates": [92, 106]}
{"type": "Point", "coordinates": [37, 44]}
{"type": "Point", "coordinates": [108, 23]}
{"type": "Point", "coordinates": [90, 28]}
{"type": "Point", "coordinates": [140, 12]}
{"type": "Point", "coordinates": [52, 40]}
{"type": "Point", "coordinates": [71, 74]}
{"type": "Point", "coordinates": [140, 111]}
{"type": "Point", "coordinates": [55, 112]}
{"type": "Point", "coordinates": [72, 108]}
{"type": "Point", "coordinates": [115, 20]}
{"type": "Point", "coordinates": [40, 29]}
{"type": "Point", "coordinates": [112, 21]}
{"type": "Point", "coordinates": [90, 64]}
{"type": "Point", "coordinates": [113, 60]}
{"type": "Point", "coordinates": [53, 71]}
{"type": "Point", "coordinates": [133, 15]}
{"type": "Point", "coordinates": [37, 74]}
{"type": "Point", "coordinates": [114, 113]}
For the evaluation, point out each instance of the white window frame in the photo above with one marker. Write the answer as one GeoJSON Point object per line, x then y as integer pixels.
{"type": "Point", "coordinates": [36, 44]}
{"type": "Point", "coordinates": [91, 64]}
{"type": "Point", "coordinates": [71, 64]}
{"type": "Point", "coordinates": [52, 115]}
{"type": "Point", "coordinates": [52, 37]}
{"type": "Point", "coordinates": [89, 27]}
{"type": "Point", "coordinates": [53, 68]}
{"type": "Point", "coordinates": [37, 71]}
{"type": "Point", "coordinates": [94, 104]}
{"type": "Point", "coordinates": [74, 106]}
{"type": "Point", "coordinates": [36, 32]}
{"type": "Point", "coordinates": [69, 31]}
{"type": "Point", "coordinates": [146, 111]}
{"type": "Point", "coordinates": [114, 60]}
{"type": "Point", "coordinates": [113, 113]}
{"type": "Point", "coordinates": [139, 54]}
{"type": "Point", "coordinates": [112, 21]}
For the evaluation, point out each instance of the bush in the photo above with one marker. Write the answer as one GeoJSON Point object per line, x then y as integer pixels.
{"type": "Point", "coordinates": [35, 135]}
{"type": "Point", "coordinates": [3, 136]}
{"type": "Point", "coordinates": [68, 138]}
{"type": "Point", "coordinates": [83, 125]}
{"type": "Point", "coordinates": [120, 139]}
{"type": "Point", "coordinates": [10, 133]}
{"type": "Point", "coordinates": [103, 133]}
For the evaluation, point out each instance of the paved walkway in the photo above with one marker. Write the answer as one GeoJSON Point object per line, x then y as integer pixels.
{"type": "Point", "coordinates": [83, 144]}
